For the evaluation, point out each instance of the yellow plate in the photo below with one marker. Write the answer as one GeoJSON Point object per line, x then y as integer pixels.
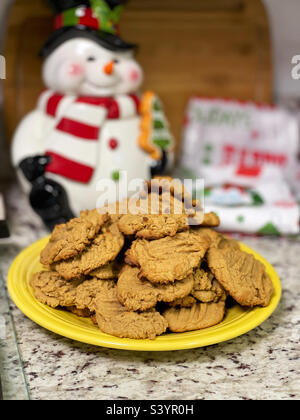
{"type": "Point", "coordinates": [237, 321]}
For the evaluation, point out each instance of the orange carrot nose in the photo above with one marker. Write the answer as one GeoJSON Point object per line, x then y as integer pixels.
{"type": "Point", "coordinates": [109, 68]}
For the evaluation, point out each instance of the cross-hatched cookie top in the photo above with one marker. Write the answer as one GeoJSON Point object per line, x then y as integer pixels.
{"type": "Point", "coordinates": [69, 239]}
{"type": "Point", "coordinates": [168, 259]}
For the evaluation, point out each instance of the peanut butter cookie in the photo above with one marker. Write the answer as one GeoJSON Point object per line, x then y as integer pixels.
{"type": "Point", "coordinates": [151, 226]}
{"type": "Point", "coordinates": [71, 238]}
{"type": "Point", "coordinates": [107, 271]}
{"type": "Point", "coordinates": [104, 249]}
{"type": "Point", "coordinates": [113, 318]}
{"type": "Point", "coordinates": [241, 275]}
{"type": "Point", "coordinates": [51, 289]}
{"type": "Point", "coordinates": [186, 302]}
{"type": "Point", "coordinates": [83, 313]}
{"type": "Point", "coordinates": [139, 295]}
{"type": "Point", "coordinates": [210, 220]}
{"type": "Point", "coordinates": [206, 288]}
{"type": "Point", "coordinates": [87, 292]}
{"type": "Point", "coordinates": [168, 259]}
{"type": "Point", "coordinates": [196, 317]}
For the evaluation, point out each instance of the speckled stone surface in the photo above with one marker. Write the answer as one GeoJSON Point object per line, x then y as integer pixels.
{"type": "Point", "coordinates": [262, 364]}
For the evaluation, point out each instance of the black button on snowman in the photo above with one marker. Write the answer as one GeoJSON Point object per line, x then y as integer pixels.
{"type": "Point", "coordinates": [91, 123]}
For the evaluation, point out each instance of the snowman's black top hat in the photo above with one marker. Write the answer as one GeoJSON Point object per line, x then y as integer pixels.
{"type": "Point", "coordinates": [93, 19]}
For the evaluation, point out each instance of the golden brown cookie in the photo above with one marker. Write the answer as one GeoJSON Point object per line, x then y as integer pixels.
{"type": "Point", "coordinates": [214, 236]}
{"type": "Point", "coordinates": [83, 313]}
{"type": "Point", "coordinates": [151, 226]}
{"type": "Point", "coordinates": [167, 202]}
{"type": "Point", "coordinates": [105, 247]}
{"type": "Point", "coordinates": [51, 289]}
{"type": "Point", "coordinates": [115, 210]}
{"type": "Point", "coordinates": [268, 289]}
{"type": "Point", "coordinates": [69, 239]}
{"type": "Point", "coordinates": [198, 316]}
{"type": "Point", "coordinates": [186, 302]}
{"type": "Point", "coordinates": [156, 204]}
{"type": "Point", "coordinates": [228, 243]}
{"type": "Point", "coordinates": [87, 292]}
{"type": "Point", "coordinates": [139, 295]}
{"type": "Point", "coordinates": [241, 275]}
{"type": "Point", "coordinates": [168, 259]}
{"type": "Point", "coordinates": [169, 186]}
{"type": "Point", "coordinates": [93, 319]}
{"type": "Point", "coordinates": [206, 288]}
{"type": "Point", "coordinates": [210, 220]}
{"type": "Point", "coordinates": [180, 200]}
{"type": "Point", "coordinates": [113, 318]}
{"type": "Point", "coordinates": [107, 271]}
{"type": "Point", "coordinates": [218, 239]}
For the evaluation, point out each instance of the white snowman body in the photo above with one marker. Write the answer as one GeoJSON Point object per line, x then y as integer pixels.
{"type": "Point", "coordinates": [82, 68]}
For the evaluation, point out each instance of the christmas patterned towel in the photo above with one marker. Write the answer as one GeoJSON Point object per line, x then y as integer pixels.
{"type": "Point", "coordinates": [268, 209]}
{"type": "Point", "coordinates": [247, 155]}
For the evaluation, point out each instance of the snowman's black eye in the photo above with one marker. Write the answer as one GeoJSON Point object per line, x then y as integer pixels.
{"type": "Point", "coordinates": [116, 61]}
{"type": "Point", "coordinates": [91, 58]}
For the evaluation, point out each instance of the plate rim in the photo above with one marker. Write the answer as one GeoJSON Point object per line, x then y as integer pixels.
{"type": "Point", "coordinates": [187, 340]}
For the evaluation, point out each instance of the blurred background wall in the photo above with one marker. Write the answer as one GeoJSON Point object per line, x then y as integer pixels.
{"type": "Point", "coordinates": [5, 170]}
{"type": "Point", "coordinates": [285, 32]}
{"type": "Point", "coordinates": [4, 5]}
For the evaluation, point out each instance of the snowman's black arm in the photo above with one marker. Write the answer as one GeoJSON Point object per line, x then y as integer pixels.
{"type": "Point", "coordinates": [159, 168]}
{"type": "Point", "coordinates": [33, 167]}
{"type": "Point", "coordinates": [47, 197]}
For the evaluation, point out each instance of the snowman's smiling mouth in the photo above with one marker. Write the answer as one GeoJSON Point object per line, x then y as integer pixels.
{"type": "Point", "coordinates": [90, 88]}
{"type": "Point", "coordinates": [97, 88]}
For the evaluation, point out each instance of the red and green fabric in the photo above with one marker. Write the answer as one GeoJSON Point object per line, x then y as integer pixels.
{"type": "Point", "coordinates": [269, 229]}
{"type": "Point", "coordinates": [99, 17]}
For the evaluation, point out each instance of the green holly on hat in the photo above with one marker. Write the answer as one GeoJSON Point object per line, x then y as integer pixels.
{"type": "Point", "coordinates": [94, 19]}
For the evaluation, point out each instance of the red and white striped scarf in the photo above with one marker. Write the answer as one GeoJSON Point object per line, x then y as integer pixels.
{"type": "Point", "coordinates": [73, 142]}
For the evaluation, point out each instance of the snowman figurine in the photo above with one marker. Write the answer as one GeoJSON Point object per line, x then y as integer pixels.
{"type": "Point", "coordinates": [90, 123]}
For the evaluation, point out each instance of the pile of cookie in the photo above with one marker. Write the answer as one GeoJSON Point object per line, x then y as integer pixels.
{"type": "Point", "coordinates": [139, 274]}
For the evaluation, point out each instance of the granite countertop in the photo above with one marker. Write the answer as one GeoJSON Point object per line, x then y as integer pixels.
{"type": "Point", "coordinates": [262, 364]}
